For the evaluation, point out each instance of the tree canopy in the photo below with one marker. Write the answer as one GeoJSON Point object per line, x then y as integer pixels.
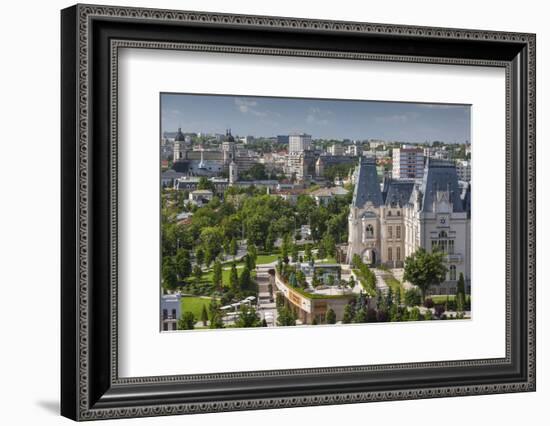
{"type": "Point", "coordinates": [425, 270]}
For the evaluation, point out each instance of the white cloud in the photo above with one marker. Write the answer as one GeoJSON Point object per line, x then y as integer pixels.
{"type": "Point", "coordinates": [318, 116]}
{"type": "Point", "coordinates": [245, 105]}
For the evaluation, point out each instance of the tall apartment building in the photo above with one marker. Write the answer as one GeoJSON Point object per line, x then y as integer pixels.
{"type": "Point", "coordinates": [464, 170]}
{"type": "Point", "coordinates": [408, 163]}
{"type": "Point", "coordinates": [299, 142]}
{"type": "Point", "coordinates": [336, 149]}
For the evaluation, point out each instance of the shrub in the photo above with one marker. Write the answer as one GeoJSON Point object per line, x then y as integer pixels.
{"type": "Point", "coordinates": [187, 321]}
{"type": "Point", "coordinates": [331, 316]}
{"type": "Point", "coordinates": [429, 303]}
{"type": "Point", "coordinates": [414, 314]}
{"type": "Point", "coordinates": [382, 315]}
{"type": "Point", "coordinates": [413, 297]}
{"type": "Point", "coordinates": [439, 310]}
{"type": "Point", "coordinates": [371, 315]}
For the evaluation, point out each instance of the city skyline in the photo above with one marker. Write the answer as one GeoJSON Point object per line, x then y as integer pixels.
{"type": "Point", "coordinates": [322, 118]}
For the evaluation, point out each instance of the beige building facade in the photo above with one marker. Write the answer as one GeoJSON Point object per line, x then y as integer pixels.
{"type": "Point", "coordinates": [391, 221]}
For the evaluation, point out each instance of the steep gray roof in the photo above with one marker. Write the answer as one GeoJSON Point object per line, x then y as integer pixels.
{"type": "Point", "coordinates": [398, 192]}
{"type": "Point", "coordinates": [367, 187]}
{"type": "Point", "coordinates": [440, 175]}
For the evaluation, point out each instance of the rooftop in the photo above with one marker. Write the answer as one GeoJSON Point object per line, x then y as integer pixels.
{"type": "Point", "coordinates": [367, 188]}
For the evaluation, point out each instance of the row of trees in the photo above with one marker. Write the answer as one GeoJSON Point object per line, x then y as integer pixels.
{"type": "Point", "coordinates": [365, 275]}
{"type": "Point", "coordinates": [213, 318]}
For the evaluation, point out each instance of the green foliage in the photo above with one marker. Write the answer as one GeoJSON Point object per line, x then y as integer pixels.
{"type": "Point", "coordinates": [425, 269]}
{"type": "Point", "coordinates": [329, 245]}
{"type": "Point", "coordinates": [398, 296]}
{"type": "Point", "coordinates": [413, 297]}
{"type": "Point", "coordinates": [197, 273]}
{"type": "Point", "coordinates": [216, 316]}
{"type": "Point", "coordinates": [204, 183]}
{"type": "Point", "coordinates": [395, 313]}
{"type": "Point", "coordinates": [217, 275]}
{"type": "Point", "coordinates": [199, 255]}
{"type": "Point", "coordinates": [365, 275]}
{"type": "Point", "coordinates": [245, 280]}
{"type": "Point", "coordinates": [187, 321]}
{"type": "Point", "coordinates": [414, 314]}
{"type": "Point", "coordinates": [270, 240]}
{"type": "Point", "coordinates": [279, 300]}
{"type": "Point", "coordinates": [460, 302]}
{"type": "Point", "coordinates": [252, 255]}
{"type": "Point", "coordinates": [428, 315]}
{"type": "Point", "coordinates": [460, 290]}
{"type": "Point", "coordinates": [233, 247]}
{"type": "Point", "coordinates": [285, 247]}
{"type": "Point", "coordinates": [234, 278]}
{"type": "Point", "coordinates": [248, 317]}
{"type": "Point", "coordinates": [294, 252]}
{"type": "Point", "coordinates": [331, 316]}
{"type": "Point", "coordinates": [360, 316]}
{"type": "Point", "coordinates": [183, 264]}
{"type": "Point", "coordinates": [169, 273]}
{"type": "Point", "coordinates": [204, 315]}
{"type": "Point", "coordinates": [341, 170]}
{"type": "Point", "coordinates": [286, 317]}
{"type": "Point", "coordinates": [348, 314]}
{"type": "Point", "coordinates": [307, 253]}
{"type": "Point", "coordinates": [256, 172]}
{"type": "Point", "coordinates": [301, 279]}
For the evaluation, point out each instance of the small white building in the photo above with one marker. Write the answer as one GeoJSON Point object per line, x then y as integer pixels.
{"type": "Point", "coordinates": [170, 311]}
{"type": "Point", "coordinates": [323, 196]}
{"type": "Point", "coordinates": [200, 197]}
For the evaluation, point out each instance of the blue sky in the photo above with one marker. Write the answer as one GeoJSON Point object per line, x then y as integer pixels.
{"type": "Point", "coordinates": [338, 119]}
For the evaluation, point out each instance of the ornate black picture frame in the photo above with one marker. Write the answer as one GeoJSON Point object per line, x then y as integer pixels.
{"type": "Point", "coordinates": [91, 36]}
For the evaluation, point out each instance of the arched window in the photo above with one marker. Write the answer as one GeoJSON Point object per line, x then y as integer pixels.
{"type": "Point", "coordinates": [369, 231]}
{"type": "Point", "coordinates": [390, 256]}
{"type": "Point", "coordinates": [398, 213]}
{"type": "Point", "coordinates": [442, 234]}
{"type": "Point", "coordinates": [398, 254]}
{"type": "Point", "coordinates": [452, 273]}
{"type": "Point", "coordinates": [389, 212]}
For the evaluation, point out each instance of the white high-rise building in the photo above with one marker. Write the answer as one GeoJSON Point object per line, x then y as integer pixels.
{"type": "Point", "coordinates": [464, 170]}
{"type": "Point", "coordinates": [299, 142]}
{"type": "Point", "coordinates": [408, 163]}
{"type": "Point", "coordinates": [336, 149]}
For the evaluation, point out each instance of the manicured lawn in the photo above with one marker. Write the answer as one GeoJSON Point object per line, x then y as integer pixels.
{"type": "Point", "coordinates": [208, 277]}
{"type": "Point", "coordinates": [393, 283]}
{"type": "Point", "coordinates": [266, 258]}
{"type": "Point", "coordinates": [440, 298]}
{"type": "Point", "coordinates": [194, 305]}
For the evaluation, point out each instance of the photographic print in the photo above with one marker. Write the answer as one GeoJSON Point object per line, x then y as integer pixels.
{"type": "Point", "coordinates": [307, 212]}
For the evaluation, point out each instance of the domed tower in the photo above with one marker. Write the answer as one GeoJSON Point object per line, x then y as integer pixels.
{"type": "Point", "coordinates": [228, 148]}
{"type": "Point", "coordinates": [233, 173]}
{"type": "Point", "coordinates": [179, 145]}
